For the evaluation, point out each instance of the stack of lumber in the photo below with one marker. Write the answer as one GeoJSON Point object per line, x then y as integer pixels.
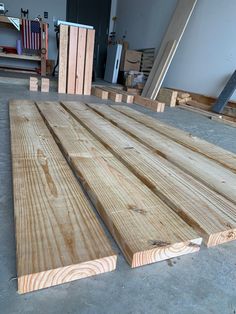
{"type": "Point", "coordinates": [118, 95]}
{"type": "Point", "coordinates": [147, 60]}
{"type": "Point", "coordinates": [128, 163]}
{"type": "Point", "coordinates": [168, 47]}
{"type": "Point", "coordinates": [76, 50]}
{"type": "Point", "coordinates": [58, 237]}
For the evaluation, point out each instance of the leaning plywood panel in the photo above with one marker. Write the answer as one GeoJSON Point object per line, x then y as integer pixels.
{"type": "Point", "coordinates": [213, 175]}
{"type": "Point", "coordinates": [63, 53]}
{"type": "Point", "coordinates": [58, 237]}
{"type": "Point", "coordinates": [72, 59]}
{"type": "Point", "coordinates": [174, 32]}
{"type": "Point", "coordinates": [89, 61]}
{"type": "Point", "coordinates": [209, 213]}
{"type": "Point", "coordinates": [145, 228]}
{"type": "Point", "coordinates": [216, 153]}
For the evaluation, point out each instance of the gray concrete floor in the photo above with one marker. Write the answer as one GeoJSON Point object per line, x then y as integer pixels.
{"type": "Point", "coordinates": [203, 282]}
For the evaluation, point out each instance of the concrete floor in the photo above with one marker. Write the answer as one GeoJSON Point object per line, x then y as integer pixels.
{"type": "Point", "coordinates": [203, 282]}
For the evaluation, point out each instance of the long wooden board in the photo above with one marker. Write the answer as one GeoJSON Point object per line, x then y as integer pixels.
{"type": "Point", "coordinates": [174, 32]}
{"type": "Point", "coordinates": [201, 146]}
{"type": "Point", "coordinates": [144, 227]}
{"type": "Point", "coordinates": [79, 82]}
{"type": "Point", "coordinates": [58, 237]}
{"type": "Point", "coordinates": [188, 197]}
{"type": "Point", "coordinates": [72, 56]}
{"type": "Point", "coordinates": [88, 72]}
{"type": "Point", "coordinates": [63, 52]}
{"type": "Point", "coordinates": [210, 173]}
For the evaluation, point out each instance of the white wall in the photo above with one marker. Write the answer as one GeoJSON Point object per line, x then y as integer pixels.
{"type": "Point", "coordinates": [56, 10]}
{"type": "Point", "coordinates": [206, 56]}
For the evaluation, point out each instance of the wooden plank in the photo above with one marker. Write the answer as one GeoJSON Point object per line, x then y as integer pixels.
{"type": "Point", "coordinates": [100, 93]}
{"type": "Point", "coordinates": [153, 105]}
{"type": "Point", "coordinates": [79, 83]}
{"type": "Point", "coordinates": [58, 237]}
{"type": "Point", "coordinates": [63, 53]}
{"type": "Point", "coordinates": [216, 153]}
{"type": "Point", "coordinates": [22, 57]}
{"type": "Point", "coordinates": [89, 61]}
{"type": "Point", "coordinates": [167, 96]}
{"type": "Point", "coordinates": [174, 32]}
{"type": "Point", "coordinates": [225, 95]}
{"type": "Point", "coordinates": [188, 197]}
{"type": "Point", "coordinates": [144, 227]}
{"type": "Point", "coordinates": [115, 96]}
{"type": "Point", "coordinates": [72, 56]}
{"type": "Point", "coordinates": [207, 171]}
{"type": "Point", "coordinates": [126, 97]}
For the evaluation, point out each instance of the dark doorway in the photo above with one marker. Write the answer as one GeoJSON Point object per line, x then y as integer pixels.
{"type": "Point", "coordinates": [97, 14]}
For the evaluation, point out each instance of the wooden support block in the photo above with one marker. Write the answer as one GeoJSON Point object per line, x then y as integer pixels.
{"type": "Point", "coordinates": [100, 93]}
{"type": "Point", "coordinates": [167, 96]}
{"type": "Point", "coordinates": [114, 96]}
{"type": "Point", "coordinates": [129, 99]}
{"type": "Point", "coordinates": [72, 58]}
{"type": "Point", "coordinates": [144, 227]}
{"type": "Point", "coordinates": [183, 95]}
{"type": "Point", "coordinates": [188, 197]}
{"type": "Point", "coordinates": [63, 55]}
{"type": "Point", "coordinates": [89, 61]}
{"type": "Point", "coordinates": [33, 84]}
{"type": "Point", "coordinates": [148, 103]}
{"type": "Point", "coordinates": [82, 34]}
{"type": "Point", "coordinates": [160, 107]}
{"type": "Point", "coordinates": [45, 84]}
{"type": "Point", "coordinates": [58, 236]}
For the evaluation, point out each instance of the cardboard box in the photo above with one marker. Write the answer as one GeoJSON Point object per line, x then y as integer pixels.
{"type": "Point", "coordinates": [131, 61]}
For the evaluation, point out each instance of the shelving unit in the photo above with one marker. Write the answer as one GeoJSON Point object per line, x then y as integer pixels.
{"type": "Point", "coordinates": [40, 58]}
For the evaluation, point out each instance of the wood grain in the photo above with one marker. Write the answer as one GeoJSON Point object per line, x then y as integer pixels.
{"type": "Point", "coordinates": [100, 93]}
{"type": "Point", "coordinates": [174, 32]}
{"type": "Point", "coordinates": [145, 228]}
{"type": "Point", "coordinates": [72, 59]}
{"type": "Point", "coordinates": [181, 192]}
{"type": "Point", "coordinates": [63, 53]}
{"type": "Point", "coordinates": [79, 82]}
{"type": "Point", "coordinates": [58, 237]}
{"type": "Point", "coordinates": [210, 173]}
{"type": "Point", "coordinates": [153, 105]}
{"type": "Point", "coordinates": [216, 153]}
{"type": "Point", "coordinates": [89, 61]}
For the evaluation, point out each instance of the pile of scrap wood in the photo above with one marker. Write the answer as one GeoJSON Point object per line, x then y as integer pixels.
{"type": "Point", "coordinates": [127, 163]}
{"type": "Point", "coordinates": [76, 50]}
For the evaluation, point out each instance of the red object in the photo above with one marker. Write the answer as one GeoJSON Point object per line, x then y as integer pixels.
{"type": "Point", "coordinates": [9, 49]}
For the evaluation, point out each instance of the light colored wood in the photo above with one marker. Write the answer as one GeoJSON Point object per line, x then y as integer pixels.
{"type": "Point", "coordinates": [188, 197]}
{"type": "Point", "coordinates": [167, 96]}
{"type": "Point", "coordinates": [58, 237]}
{"type": "Point", "coordinates": [174, 33]}
{"type": "Point", "coordinates": [113, 95]}
{"type": "Point", "coordinates": [22, 57]}
{"type": "Point", "coordinates": [63, 55]}
{"type": "Point", "coordinates": [100, 93]}
{"type": "Point", "coordinates": [89, 61]}
{"type": "Point", "coordinates": [145, 228]}
{"type": "Point", "coordinates": [153, 105]}
{"type": "Point", "coordinates": [216, 153]}
{"type": "Point", "coordinates": [127, 98]}
{"type": "Point", "coordinates": [72, 58]}
{"type": "Point", "coordinates": [209, 172]}
{"type": "Point", "coordinates": [82, 34]}
{"type": "Point", "coordinates": [33, 84]}
{"type": "Point", "coordinates": [45, 84]}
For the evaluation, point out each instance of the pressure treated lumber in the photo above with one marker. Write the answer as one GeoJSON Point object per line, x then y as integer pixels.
{"type": "Point", "coordinates": [203, 169]}
{"type": "Point", "coordinates": [167, 96]}
{"type": "Point", "coordinates": [216, 153]}
{"type": "Point", "coordinates": [81, 46]}
{"type": "Point", "coordinates": [211, 215]}
{"type": "Point", "coordinates": [174, 32]}
{"type": "Point", "coordinates": [88, 72]}
{"type": "Point", "coordinates": [73, 37]}
{"type": "Point", "coordinates": [58, 237]}
{"type": "Point", "coordinates": [63, 53]}
{"type": "Point", "coordinates": [144, 227]}
{"type": "Point", "coordinates": [149, 104]}
{"type": "Point", "coordinates": [126, 97]}
{"type": "Point", "coordinates": [100, 93]}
